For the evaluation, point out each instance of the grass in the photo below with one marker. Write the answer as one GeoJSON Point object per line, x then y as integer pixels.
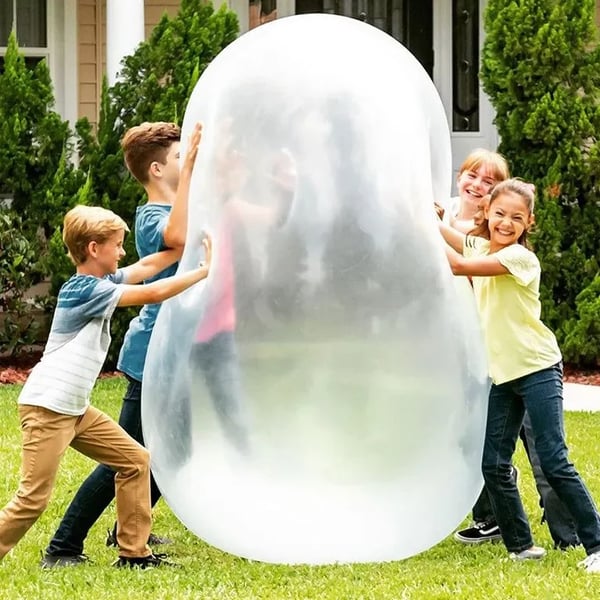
{"type": "Point", "coordinates": [449, 570]}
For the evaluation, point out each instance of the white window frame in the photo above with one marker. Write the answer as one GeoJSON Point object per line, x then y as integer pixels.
{"type": "Point", "coordinates": [30, 51]}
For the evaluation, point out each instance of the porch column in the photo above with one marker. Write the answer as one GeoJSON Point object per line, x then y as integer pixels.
{"type": "Point", "coordinates": [124, 31]}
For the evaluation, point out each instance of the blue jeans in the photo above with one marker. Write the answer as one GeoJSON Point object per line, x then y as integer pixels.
{"type": "Point", "coordinates": [556, 514]}
{"type": "Point", "coordinates": [540, 394]}
{"type": "Point", "coordinates": [98, 490]}
{"type": "Point", "coordinates": [560, 521]}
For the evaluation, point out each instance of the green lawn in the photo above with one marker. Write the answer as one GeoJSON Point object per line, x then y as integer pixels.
{"type": "Point", "coordinates": [449, 570]}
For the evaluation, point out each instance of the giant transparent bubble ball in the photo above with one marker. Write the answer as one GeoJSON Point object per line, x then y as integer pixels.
{"type": "Point", "coordinates": [321, 397]}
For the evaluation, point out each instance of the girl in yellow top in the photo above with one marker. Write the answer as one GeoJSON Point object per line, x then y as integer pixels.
{"type": "Point", "coordinates": [525, 367]}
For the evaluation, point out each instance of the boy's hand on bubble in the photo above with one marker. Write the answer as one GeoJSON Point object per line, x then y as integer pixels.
{"type": "Point", "coordinates": [192, 149]}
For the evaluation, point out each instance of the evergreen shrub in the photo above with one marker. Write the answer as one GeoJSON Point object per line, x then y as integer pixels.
{"type": "Point", "coordinates": [540, 69]}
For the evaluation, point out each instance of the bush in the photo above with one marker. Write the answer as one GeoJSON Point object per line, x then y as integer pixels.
{"type": "Point", "coordinates": [37, 174]}
{"type": "Point", "coordinates": [540, 70]}
{"type": "Point", "coordinates": [582, 342]}
{"type": "Point", "coordinates": [20, 326]}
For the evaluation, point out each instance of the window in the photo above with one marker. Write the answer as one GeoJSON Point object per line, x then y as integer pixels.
{"type": "Point", "coordinates": [29, 19]}
{"type": "Point", "coordinates": [409, 21]}
{"type": "Point", "coordinates": [465, 65]}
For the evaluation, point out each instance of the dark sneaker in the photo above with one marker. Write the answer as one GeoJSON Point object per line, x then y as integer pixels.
{"type": "Point", "coordinates": [487, 531]}
{"type": "Point", "coordinates": [111, 537]}
{"type": "Point", "coordinates": [145, 562]}
{"type": "Point", "coordinates": [153, 539]}
{"type": "Point", "coordinates": [71, 560]}
{"type": "Point", "coordinates": [157, 540]}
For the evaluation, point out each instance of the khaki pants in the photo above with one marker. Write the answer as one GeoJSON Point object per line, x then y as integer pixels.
{"type": "Point", "coordinates": [46, 436]}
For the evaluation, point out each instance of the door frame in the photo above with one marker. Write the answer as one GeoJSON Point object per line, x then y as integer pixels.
{"type": "Point", "coordinates": [463, 142]}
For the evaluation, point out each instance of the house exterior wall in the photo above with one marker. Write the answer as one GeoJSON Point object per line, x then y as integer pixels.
{"type": "Point", "coordinates": [154, 10]}
{"type": "Point", "coordinates": [91, 19]}
{"type": "Point", "coordinates": [91, 40]}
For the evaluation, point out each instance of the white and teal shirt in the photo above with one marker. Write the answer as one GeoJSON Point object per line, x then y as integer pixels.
{"type": "Point", "coordinates": [77, 345]}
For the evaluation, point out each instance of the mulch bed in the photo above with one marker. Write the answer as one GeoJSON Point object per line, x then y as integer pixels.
{"type": "Point", "coordinates": [15, 370]}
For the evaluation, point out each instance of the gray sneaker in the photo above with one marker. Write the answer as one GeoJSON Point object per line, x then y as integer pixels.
{"type": "Point", "coordinates": [591, 563]}
{"type": "Point", "coordinates": [533, 553]}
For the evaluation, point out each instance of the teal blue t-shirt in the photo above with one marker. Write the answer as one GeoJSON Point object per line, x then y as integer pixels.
{"type": "Point", "coordinates": [150, 222]}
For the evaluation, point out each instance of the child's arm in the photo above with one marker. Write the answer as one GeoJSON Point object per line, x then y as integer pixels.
{"type": "Point", "coordinates": [453, 237]}
{"type": "Point", "coordinates": [158, 291]}
{"type": "Point", "coordinates": [176, 228]}
{"type": "Point", "coordinates": [150, 265]}
{"type": "Point", "coordinates": [476, 266]}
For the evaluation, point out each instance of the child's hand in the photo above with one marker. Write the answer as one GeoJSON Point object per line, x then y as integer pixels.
{"type": "Point", "coordinates": [192, 149]}
{"type": "Point", "coordinates": [439, 210]}
{"type": "Point", "coordinates": [207, 243]}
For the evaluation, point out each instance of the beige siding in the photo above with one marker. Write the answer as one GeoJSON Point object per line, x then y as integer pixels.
{"type": "Point", "coordinates": [154, 10]}
{"type": "Point", "coordinates": [91, 35]}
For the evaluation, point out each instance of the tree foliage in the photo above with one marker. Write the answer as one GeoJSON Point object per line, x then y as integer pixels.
{"type": "Point", "coordinates": [35, 144]}
{"type": "Point", "coordinates": [19, 326]}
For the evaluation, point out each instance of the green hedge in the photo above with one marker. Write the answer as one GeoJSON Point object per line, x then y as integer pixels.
{"type": "Point", "coordinates": [540, 70]}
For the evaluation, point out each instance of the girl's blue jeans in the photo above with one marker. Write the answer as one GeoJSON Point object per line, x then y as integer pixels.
{"type": "Point", "coordinates": [541, 394]}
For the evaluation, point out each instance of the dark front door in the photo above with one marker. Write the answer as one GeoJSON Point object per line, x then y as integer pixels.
{"type": "Point", "coordinates": [409, 21]}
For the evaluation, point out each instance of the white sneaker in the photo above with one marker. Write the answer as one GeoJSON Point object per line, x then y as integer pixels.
{"type": "Point", "coordinates": [591, 563]}
{"type": "Point", "coordinates": [533, 553]}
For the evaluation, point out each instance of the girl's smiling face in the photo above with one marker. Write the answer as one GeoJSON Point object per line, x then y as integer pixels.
{"type": "Point", "coordinates": [508, 218]}
{"type": "Point", "coordinates": [474, 184]}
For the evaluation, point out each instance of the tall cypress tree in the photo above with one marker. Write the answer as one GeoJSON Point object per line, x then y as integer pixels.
{"type": "Point", "coordinates": [35, 141]}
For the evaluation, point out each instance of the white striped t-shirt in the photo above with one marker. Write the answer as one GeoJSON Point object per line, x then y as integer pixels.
{"type": "Point", "coordinates": [77, 345]}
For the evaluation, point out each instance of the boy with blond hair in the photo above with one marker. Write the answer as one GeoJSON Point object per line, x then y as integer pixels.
{"type": "Point", "coordinates": [151, 154]}
{"type": "Point", "coordinates": [54, 405]}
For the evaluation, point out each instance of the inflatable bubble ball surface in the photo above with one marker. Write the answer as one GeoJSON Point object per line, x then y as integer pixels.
{"type": "Point", "coordinates": [321, 396]}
